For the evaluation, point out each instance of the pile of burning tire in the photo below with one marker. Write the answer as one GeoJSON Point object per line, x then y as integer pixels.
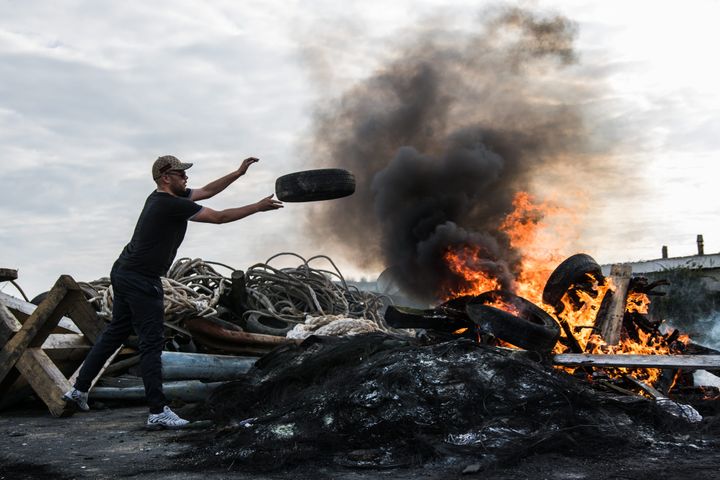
{"type": "Point", "coordinates": [505, 316]}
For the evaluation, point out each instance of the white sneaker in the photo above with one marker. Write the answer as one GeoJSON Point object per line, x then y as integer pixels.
{"type": "Point", "coordinates": [166, 419]}
{"type": "Point", "coordinates": [78, 398]}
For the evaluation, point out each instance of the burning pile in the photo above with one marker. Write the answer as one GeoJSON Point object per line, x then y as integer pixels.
{"type": "Point", "coordinates": [597, 314]}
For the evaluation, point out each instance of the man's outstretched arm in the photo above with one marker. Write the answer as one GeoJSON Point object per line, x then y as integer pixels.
{"type": "Point", "coordinates": [217, 186]}
{"type": "Point", "coordinates": [208, 215]}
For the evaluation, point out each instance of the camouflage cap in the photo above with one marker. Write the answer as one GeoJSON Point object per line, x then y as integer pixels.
{"type": "Point", "coordinates": [166, 163]}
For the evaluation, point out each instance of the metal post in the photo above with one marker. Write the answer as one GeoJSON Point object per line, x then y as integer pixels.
{"type": "Point", "coordinates": [700, 245]}
{"type": "Point", "coordinates": [664, 251]}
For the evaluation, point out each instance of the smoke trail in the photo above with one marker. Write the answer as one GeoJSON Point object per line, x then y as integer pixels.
{"type": "Point", "coordinates": [442, 138]}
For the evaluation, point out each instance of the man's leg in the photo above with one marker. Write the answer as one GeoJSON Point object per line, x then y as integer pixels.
{"type": "Point", "coordinates": [147, 308]}
{"type": "Point", "coordinates": [110, 340]}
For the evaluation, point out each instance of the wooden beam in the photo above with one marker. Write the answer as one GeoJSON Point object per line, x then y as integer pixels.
{"type": "Point", "coordinates": [81, 312]}
{"type": "Point", "coordinates": [22, 309]}
{"type": "Point", "coordinates": [46, 380]}
{"type": "Point", "coordinates": [22, 345]}
{"type": "Point", "coordinates": [34, 331]}
{"type": "Point", "coordinates": [8, 274]}
{"type": "Point", "coordinates": [611, 324]}
{"type": "Point", "coordinates": [701, 362]}
{"type": "Point", "coordinates": [59, 341]}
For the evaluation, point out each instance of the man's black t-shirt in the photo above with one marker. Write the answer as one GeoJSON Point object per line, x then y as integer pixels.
{"type": "Point", "coordinates": [158, 234]}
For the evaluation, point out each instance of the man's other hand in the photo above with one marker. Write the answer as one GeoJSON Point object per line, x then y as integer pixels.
{"type": "Point", "coordinates": [268, 203]}
{"type": "Point", "coordinates": [246, 164]}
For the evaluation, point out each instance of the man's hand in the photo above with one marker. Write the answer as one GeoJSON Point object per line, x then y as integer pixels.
{"type": "Point", "coordinates": [268, 203]}
{"type": "Point", "coordinates": [246, 164]}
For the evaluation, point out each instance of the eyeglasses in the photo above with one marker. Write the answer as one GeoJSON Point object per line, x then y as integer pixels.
{"type": "Point", "coordinates": [177, 173]}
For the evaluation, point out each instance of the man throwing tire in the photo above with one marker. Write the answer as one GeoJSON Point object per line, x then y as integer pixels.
{"type": "Point", "coordinates": [135, 277]}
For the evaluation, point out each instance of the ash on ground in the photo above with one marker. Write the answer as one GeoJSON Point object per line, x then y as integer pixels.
{"type": "Point", "coordinates": [377, 401]}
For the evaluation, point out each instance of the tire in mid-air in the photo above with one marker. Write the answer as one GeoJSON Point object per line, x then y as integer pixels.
{"type": "Point", "coordinates": [314, 185]}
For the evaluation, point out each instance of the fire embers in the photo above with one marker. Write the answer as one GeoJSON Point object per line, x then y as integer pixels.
{"type": "Point", "coordinates": [380, 401]}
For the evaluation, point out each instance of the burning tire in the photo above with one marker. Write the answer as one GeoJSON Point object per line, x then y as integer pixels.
{"type": "Point", "coordinates": [573, 271]}
{"type": "Point", "coordinates": [531, 328]}
{"type": "Point", "coordinates": [314, 185]}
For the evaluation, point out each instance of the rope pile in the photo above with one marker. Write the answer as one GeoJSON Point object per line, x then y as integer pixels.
{"type": "Point", "coordinates": [193, 288]}
{"type": "Point", "coordinates": [292, 294]}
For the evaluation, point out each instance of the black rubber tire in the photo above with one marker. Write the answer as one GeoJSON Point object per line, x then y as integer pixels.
{"type": "Point", "coordinates": [89, 293]}
{"type": "Point", "coordinates": [314, 185]}
{"type": "Point", "coordinates": [439, 319]}
{"type": "Point", "coordinates": [571, 271]}
{"type": "Point", "coordinates": [37, 299]}
{"type": "Point", "coordinates": [533, 329]}
{"type": "Point", "coordinates": [267, 325]}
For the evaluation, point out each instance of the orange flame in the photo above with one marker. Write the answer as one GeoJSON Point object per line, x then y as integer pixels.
{"type": "Point", "coordinates": [458, 261]}
{"type": "Point", "coordinates": [531, 227]}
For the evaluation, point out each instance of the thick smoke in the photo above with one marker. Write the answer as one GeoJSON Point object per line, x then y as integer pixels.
{"type": "Point", "coordinates": [442, 138]}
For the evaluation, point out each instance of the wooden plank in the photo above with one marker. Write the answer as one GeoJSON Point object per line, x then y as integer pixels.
{"type": "Point", "coordinates": [9, 325]}
{"type": "Point", "coordinates": [22, 309]}
{"type": "Point", "coordinates": [59, 341]}
{"type": "Point", "coordinates": [702, 362]}
{"type": "Point", "coordinates": [649, 389]}
{"type": "Point", "coordinates": [611, 325]}
{"type": "Point", "coordinates": [8, 274]}
{"type": "Point", "coordinates": [36, 328]}
{"type": "Point", "coordinates": [81, 312]}
{"type": "Point", "coordinates": [53, 317]}
{"type": "Point", "coordinates": [45, 378]}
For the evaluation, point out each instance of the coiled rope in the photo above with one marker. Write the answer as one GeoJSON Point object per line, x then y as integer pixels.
{"type": "Point", "coordinates": [193, 288]}
{"type": "Point", "coordinates": [291, 294]}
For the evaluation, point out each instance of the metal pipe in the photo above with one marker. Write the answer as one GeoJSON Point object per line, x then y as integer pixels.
{"type": "Point", "coordinates": [188, 391]}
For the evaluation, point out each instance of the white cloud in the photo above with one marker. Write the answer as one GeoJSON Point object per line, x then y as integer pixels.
{"type": "Point", "coordinates": [92, 91]}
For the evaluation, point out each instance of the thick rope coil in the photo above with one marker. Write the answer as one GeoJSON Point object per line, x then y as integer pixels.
{"type": "Point", "coordinates": [193, 288]}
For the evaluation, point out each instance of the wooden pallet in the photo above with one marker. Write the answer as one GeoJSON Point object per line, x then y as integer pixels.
{"type": "Point", "coordinates": [24, 345]}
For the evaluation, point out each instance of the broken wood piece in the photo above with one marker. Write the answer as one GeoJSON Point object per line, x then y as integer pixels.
{"type": "Point", "coordinates": [121, 366]}
{"type": "Point", "coordinates": [610, 325]}
{"type": "Point", "coordinates": [653, 392]}
{"type": "Point", "coordinates": [702, 362]}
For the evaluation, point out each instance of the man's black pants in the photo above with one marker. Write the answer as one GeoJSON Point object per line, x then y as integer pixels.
{"type": "Point", "coordinates": [138, 304]}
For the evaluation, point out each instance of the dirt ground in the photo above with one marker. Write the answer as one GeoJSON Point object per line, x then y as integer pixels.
{"type": "Point", "coordinates": [112, 443]}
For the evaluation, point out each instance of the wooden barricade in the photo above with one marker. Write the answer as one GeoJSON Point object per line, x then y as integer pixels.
{"type": "Point", "coordinates": [24, 345]}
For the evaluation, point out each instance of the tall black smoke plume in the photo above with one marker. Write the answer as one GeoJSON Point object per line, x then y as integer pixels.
{"type": "Point", "coordinates": [440, 141]}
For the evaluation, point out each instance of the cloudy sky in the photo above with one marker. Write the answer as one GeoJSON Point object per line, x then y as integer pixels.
{"type": "Point", "coordinates": [92, 91]}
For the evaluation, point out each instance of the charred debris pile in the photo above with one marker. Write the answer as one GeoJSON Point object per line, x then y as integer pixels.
{"type": "Point", "coordinates": [381, 401]}
{"type": "Point", "coordinates": [478, 379]}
